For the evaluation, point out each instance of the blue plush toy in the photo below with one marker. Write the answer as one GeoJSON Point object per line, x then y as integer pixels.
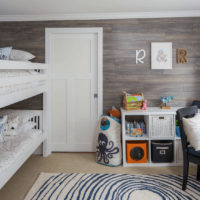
{"type": "Point", "coordinates": [166, 99]}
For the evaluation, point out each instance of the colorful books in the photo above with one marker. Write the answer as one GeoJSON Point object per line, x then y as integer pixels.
{"type": "Point", "coordinates": [136, 128]}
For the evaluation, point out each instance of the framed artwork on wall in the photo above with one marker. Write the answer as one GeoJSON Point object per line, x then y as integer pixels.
{"type": "Point", "coordinates": [161, 55]}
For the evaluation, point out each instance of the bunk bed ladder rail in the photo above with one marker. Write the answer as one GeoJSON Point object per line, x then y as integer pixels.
{"type": "Point", "coordinates": [37, 119]}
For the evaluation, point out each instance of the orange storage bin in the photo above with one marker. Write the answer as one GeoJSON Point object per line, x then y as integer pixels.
{"type": "Point", "coordinates": [136, 152]}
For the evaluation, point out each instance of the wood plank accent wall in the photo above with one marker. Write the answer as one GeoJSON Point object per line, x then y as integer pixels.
{"type": "Point", "coordinates": [121, 39]}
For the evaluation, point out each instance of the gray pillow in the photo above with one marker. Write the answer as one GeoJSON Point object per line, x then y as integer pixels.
{"type": "Point", "coordinates": [5, 53]}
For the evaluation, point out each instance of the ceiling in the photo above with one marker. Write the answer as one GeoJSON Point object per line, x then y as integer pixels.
{"type": "Point", "coordinates": [47, 7]}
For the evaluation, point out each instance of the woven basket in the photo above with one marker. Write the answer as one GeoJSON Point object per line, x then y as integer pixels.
{"type": "Point", "coordinates": [136, 105]}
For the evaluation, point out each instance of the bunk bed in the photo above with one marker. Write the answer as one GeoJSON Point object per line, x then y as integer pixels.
{"type": "Point", "coordinates": [20, 81]}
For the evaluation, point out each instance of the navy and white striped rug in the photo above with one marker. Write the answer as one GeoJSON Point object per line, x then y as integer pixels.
{"type": "Point", "coordinates": [112, 187]}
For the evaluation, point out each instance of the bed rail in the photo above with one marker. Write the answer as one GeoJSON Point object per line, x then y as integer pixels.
{"type": "Point", "coordinates": [8, 64]}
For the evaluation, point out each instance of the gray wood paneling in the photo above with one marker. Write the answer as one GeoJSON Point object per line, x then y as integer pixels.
{"type": "Point", "coordinates": [121, 39]}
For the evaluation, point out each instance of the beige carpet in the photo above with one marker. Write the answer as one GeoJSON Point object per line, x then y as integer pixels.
{"type": "Point", "coordinates": [22, 181]}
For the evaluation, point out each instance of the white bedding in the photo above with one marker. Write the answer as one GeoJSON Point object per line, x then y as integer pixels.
{"type": "Point", "coordinates": [14, 146]}
{"type": "Point", "coordinates": [16, 73]}
{"type": "Point", "coordinates": [22, 115]}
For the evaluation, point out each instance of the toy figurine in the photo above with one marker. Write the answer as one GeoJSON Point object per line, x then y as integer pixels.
{"type": "Point", "coordinates": [144, 107]}
{"type": "Point", "coordinates": [166, 100]}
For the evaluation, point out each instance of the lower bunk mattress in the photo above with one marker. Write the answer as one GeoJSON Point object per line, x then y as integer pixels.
{"type": "Point", "coordinates": [14, 146]}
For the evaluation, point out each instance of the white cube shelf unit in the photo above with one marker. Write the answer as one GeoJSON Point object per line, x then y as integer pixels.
{"type": "Point", "coordinates": [160, 125]}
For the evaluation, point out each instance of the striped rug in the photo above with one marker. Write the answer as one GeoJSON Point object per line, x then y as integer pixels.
{"type": "Point", "coordinates": [112, 187]}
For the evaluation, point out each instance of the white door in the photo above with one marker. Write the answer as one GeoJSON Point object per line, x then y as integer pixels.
{"type": "Point", "coordinates": [75, 58]}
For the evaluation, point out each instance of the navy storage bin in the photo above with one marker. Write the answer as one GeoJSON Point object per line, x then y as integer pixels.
{"type": "Point", "coordinates": [162, 151]}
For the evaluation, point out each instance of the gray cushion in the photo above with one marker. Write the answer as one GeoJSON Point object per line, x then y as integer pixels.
{"type": "Point", "coordinates": [192, 151]}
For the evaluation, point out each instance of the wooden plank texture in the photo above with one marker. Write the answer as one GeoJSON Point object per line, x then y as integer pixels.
{"type": "Point", "coordinates": [121, 39]}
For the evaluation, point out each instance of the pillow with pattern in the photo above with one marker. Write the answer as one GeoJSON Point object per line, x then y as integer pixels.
{"type": "Point", "coordinates": [5, 53]}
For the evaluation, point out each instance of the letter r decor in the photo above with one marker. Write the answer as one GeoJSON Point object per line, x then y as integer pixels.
{"type": "Point", "coordinates": [181, 56]}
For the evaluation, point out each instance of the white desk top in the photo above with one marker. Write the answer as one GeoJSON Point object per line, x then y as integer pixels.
{"type": "Point", "coordinates": [151, 111]}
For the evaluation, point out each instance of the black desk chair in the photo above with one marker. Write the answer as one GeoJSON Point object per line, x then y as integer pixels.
{"type": "Point", "coordinates": [189, 154]}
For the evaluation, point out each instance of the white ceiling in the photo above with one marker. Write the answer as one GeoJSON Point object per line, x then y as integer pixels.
{"type": "Point", "coordinates": [47, 7]}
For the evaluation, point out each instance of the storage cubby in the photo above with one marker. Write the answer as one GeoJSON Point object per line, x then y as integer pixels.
{"type": "Point", "coordinates": [160, 128]}
{"type": "Point", "coordinates": [137, 151]}
{"type": "Point", "coordinates": [136, 127]}
{"type": "Point", "coordinates": [162, 151]}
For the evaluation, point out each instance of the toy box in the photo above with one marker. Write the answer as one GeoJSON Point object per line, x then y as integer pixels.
{"type": "Point", "coordinates": [133, 101]}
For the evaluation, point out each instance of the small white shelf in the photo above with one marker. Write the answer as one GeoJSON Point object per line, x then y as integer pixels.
{"type": "Point", "coordinates": [147, 115]}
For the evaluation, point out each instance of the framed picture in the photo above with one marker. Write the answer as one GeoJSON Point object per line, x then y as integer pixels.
{"type": "Point", "coordinates": [161, 55]}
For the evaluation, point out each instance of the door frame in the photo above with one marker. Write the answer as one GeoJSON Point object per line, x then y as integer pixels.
{"type": "Point", "coordinates": [99, 32]}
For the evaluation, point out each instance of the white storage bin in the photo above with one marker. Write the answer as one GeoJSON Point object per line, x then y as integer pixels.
{"type": "Point", "coordinates": [108, 148]}
{"type": "Point", "coordinates": [179, 152]}
{"type": "Point", "coordinates": [162, 126]}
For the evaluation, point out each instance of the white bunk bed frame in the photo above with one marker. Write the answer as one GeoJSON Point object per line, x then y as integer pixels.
{"type": "Point", "coordinates": [15, 97]}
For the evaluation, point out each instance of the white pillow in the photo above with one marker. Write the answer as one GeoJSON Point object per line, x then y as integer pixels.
{"type": "Point", "coordinates": [21, 55]}
{"type": "Point", "coordinates": [28, 126]}
{"type": "Point", "coordinates": [192, 130]}
{"type": "Point", "coordinates": [5, 53]}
